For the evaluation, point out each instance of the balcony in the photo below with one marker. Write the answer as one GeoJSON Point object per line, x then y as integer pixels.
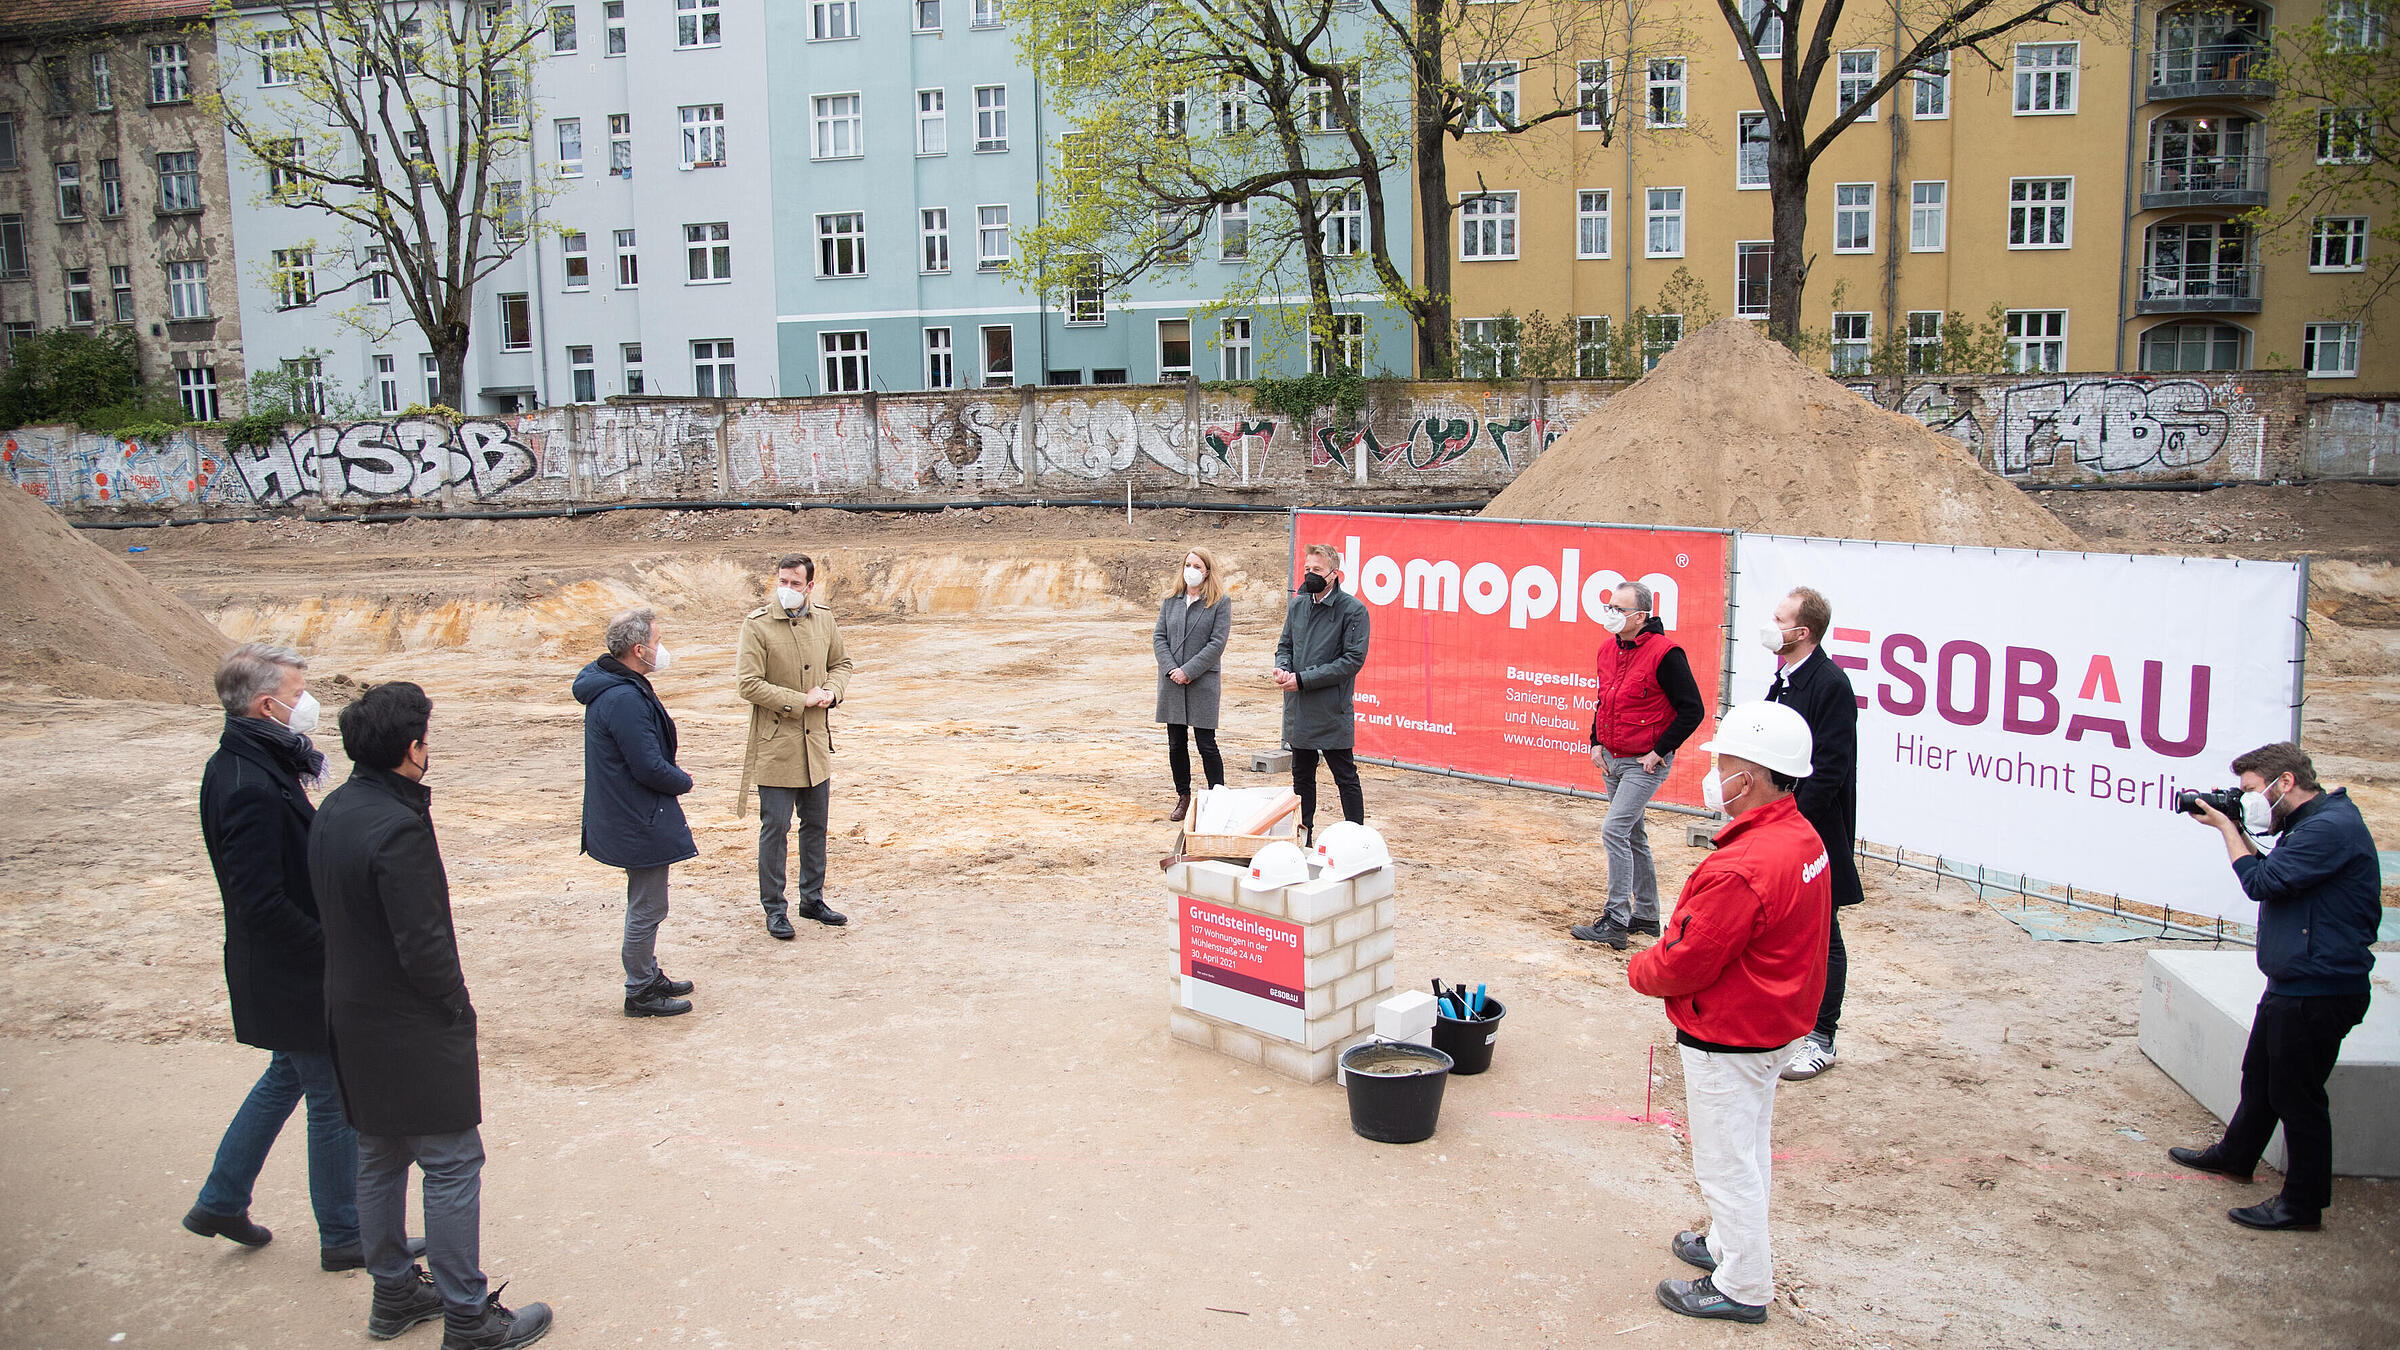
{"type": "Point", "coordinates": [2221, 70]}
{"type": "Point", "coordinates": [2204, 181]}
{"type": "Point", "coordinates": [2199, 288]}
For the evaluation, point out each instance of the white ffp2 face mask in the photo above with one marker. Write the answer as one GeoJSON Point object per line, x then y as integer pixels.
{"type": "Point", "coordinates": [1193, 576]}
{"type": "Point", "coordinates": [1712, 789]}
{"type": "Point", "coordinates": [1612, 619]}
{"type": "Point", "coordinates": [660, 658]}
{"type": "Point", "coordinates": [2258, 813]}
{"type": "Point", "coordinates": [792, 601]}
{"type": "Point", "coordinates": [303, 714]}
{"type": "Point", "coordinates": [1771, 637]}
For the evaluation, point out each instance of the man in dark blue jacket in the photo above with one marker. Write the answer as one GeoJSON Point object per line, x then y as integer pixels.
{"type": "Point", "coordinates": [2319, 897]}
{"type": "Point", "coordinates": [630, 816]}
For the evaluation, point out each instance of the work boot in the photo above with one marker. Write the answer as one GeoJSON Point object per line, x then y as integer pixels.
{"type": "Point", "coordinates": [1692, 1298]}
{"type": "Point", "coordinates": [1182, 804]}
{"type": "Point", "coordinates": [778, 926]}
{"type": "Point", "coordinates": [672, 988]}
{"type": "Point", "coordinates": [496, 1328]}
{"type": "Point", "coordinates": [822, 913]}
{"type": "Point", "coordinates": [2277, 1214]}
{"type": "Point", "coordinates": [403, 1306]}
{"type": "Point", "coordinates": [654, 1001]}
{"type": "Point", "coordinates": [2208, 1160]}
{"type": "Point", "coordinates": [1643, 928]}
{"type": "Point", "coordinates": [1607, 931]}
{"type": "Point", "coordinates": [354, 1256]}
{"type": "Point", "coordinates": [1692, 1249]}
{"type": "Point", "coordinates": [235, 1226]}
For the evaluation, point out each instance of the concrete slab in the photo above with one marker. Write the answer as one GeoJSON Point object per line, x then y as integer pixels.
{"type": "Point", "coordinates": [2196, 1011]}
{"type": "Point", "coordinates": [1270, 761]}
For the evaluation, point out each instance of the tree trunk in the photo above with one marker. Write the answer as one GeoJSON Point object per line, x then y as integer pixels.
{"type": "Point", "coordinates": [1787, 268]}
{"type": "Point", "coordinates": [1436, 353]}
{"type": "Point", "coordinates": [450, 362]}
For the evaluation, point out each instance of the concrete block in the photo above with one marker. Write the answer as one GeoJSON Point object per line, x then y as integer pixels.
{"type": "Point", "coordinates": [1375, 885]}
{"type": "Point", "coordinates": [1271, 761]}
{"type": "Point", "coordinates": [1332, 1027]}
{"type": "Point", "coordinates": [1318, 901]}
{"type": "Point", "coordinates": [1179, 878]}
{"type": "Point", "coordinates": [1317, 1002]}
{"type": "Point", "coordinates": [1269, 903]}
{"type": "Point", "coordinates": [1701, 835]}
{"type": "Point", "coordinates": [1387, 913]}
{"type": "Point", "coordinates": [2196, 1014]}
{"type": "Point", "coordinates": [1214, 881]}
{"type": "Point", "coordinates": [1316, 939]}
{"type": "Point", "coordinates": [1246, 1046]}
{"type": "Point", "coordinates": [1306, 1066]}
{"type": "Point", "coordinates": [1333, 965]}
{"type": "Point", "coordinates": [1373, 948]}
{"type": "Point", "coordinates": [1386, 975]}
{"type": "Point", "coordinates": [1192, 1030]}
{"type": "Point", "coordinates": [1406, 1017]}
{"type": "Point", "coordinates": [1354, 925]}
{"type": "Point", "coordinates": [1354, 987]}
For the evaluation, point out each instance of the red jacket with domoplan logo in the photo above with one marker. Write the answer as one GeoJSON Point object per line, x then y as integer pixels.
{"type": "Point", "coordinates": [1741, 962]}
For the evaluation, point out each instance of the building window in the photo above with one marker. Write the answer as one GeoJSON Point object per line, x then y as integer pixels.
{"type": "Point", "coordinates": [562, 28]}
{"type": "Point", "coordinates": [277, 57]}
{"type": "Point", "coordinates": [1592, 101]}
{"type": "Point", "coordinates": [179, 181]}
{"type": "Point", "coordinates": [1591, 347]}
{"type": "Point", "coordinates": [928, 20]}
{"type": "Point", "coordinates": [1860, 69]}
{"type": "Point", "coordinates": [629, 263]}
{"type": "Point", "coordinates": [704, 136]}
{"type": "Point", "coordinates": [1764, 24]}
{"type": "Point", "coordinates": [2037, 340]}
{"type": "Point", "coordinates": [991, 118]}
{"type": "Point", "coordinates": [1487, 349]}
{"type": "Point", "coordinates": [2354, 25]}
{"type": "Point", "coordinates": [2045, 78]}
{"type": "Point", "coordinates": [991, 238]}
{"type": "Point", "coordinates": [987, 15]}
{"type": "Point", "coordinates": [2329, 351]}
{"type": "Point", "coordinates": [1666, 92]}
{"type": "Point", "coordinates": [12, 245]}
{"type": "Point", "coordinates": [104, 86]}
{"type": "Point", "coordinates": [306, 379]}
{"type": "Point", "coordinates": [1753, 268]}
{"type": "Point", "coordinates": [1661, 333]}
{"type": "Point", "coordinates": [940, 368]}
{"type": "Point", "coordinates": [295, 277]}
{"type": "Point", "coordinates": [508, 211]}
{"type": "Point", "coordinates": [1591, 223]}
{"type": "Point", "coordinates": [2195, 346]}
{"type": "Point", "coordinates": [1932, 92]}
{"type": "Point", "coordinates": [570, 147]}
{"type": "Point", "coordinates": [1233, 231]}
{"type": "Point", "coordinates": [1928, 216]}
{"type": "Point", "coordinates": [1665, 219]}
{"type": "Point", "coordinates": [696, 23]}
{"type": "Point", "coordinates": [707, 253]}
{"type": "Point", "coordinates": [1750, 152]}
{"type": "Point", "coordinates": [187, 290]}
{"type": "Point", "coordinates": [2040, 212]}
{"type": "Point", "coordinates": [841, 127]}
{"type": "Point", "coordinates": [933, 122]}
{"type": "Point", "coordinates": [1492, 87]}
{"type": "Point", "coordinates": [1233, 348]}
{"type": "Point", "coordinates": [170, 73]}
{"type": "Point", "coordinates": [1349, 347]}
{"type": "Point", "coordinates": [1854, 217]}
{"type": "Point", "coordinates": [1345, 222]}
{"type": "Point", "coordinates": [629, 360]}
{"type": "Point", "coordinates": [830, 20]}
{"type": "Point", "coordinates": [379, 274]}
{"type": "Point", "coordinates": [2207, 259]}
{"type": "Point", "coordinates": [413, 153]}
{"type": "Point", "coordinates": [284, 159]}
{"type": "Point", "coordinates": [1174, 233]}
{"type": "Point", "coordinates": [1174, 115]}
{"type": "Point", "coordinates": [1324, 114]}
{"type": "Point", "coordinates": [712, 369]}
{"type": "Point", "coordinates": [1853, 342]}
{"type": "Point", "coordinates": [1488, 226]}
{"type": "Point", "coordinates": [387, 383]}
{"type": "Point", "coordinates": [431, 367]}
{"type": "Point", "coordinates": [575, 251]}
{"type": "Point", "coordinates": [999, 351]}
{"type": "Point", "coordinates": [620, 145]}
{"type": "Point", "coordinates": [1087, 290]}
{"type": "Point", "coordinates": [2345, 135]}
{"type": "Point", "coordinates": [612, 23]}
{"type": "Point", "coordinates": [2335, 244]}
{"type": "Point", "coordinates": [842, 244]}
{"type": "Point", "coordinates": [516, 323]}
{"type": "Point", "coordinates": [8, 140]}
{"type": "Point", "coordinates": [197, 387]}
{"type": "Point", "coordinates": [583, 381]}
{"type": "Point", "coordinates": [112, 189]}
{"type": "Point", "coordinates": [79, 295]}
{"type": "Point", "coordinates": [120, 286]}
{"type": "Point", "coordinates": [1174, 349]}
{"type": "Point", "coordinates": [1924, 342]}
{"type": "Point", "coordinates": [933, 223]}
{"type": "Point", "coordinates": [70, 191]}
{"type": "Point", "coordinates": [507, 100]}
{"type": "Point", "coordinates": [845, 356]}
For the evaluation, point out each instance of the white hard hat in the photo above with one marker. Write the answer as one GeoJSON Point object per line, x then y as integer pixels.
{"type": "Point", "coordinates": [1765, 733]}
{"type": "Point", "coordinates": [1346, 849]}
{"type": "Point", "coordinates": [1278, 864]}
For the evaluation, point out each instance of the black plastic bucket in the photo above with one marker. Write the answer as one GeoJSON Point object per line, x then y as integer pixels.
{"type": "Point", "coordinates": [1469, 1043]}
{"type": "Point", "coordinates": [1395, 1090]}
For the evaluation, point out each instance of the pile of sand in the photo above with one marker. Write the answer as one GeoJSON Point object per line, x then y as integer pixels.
{"type": "Point", "coordinates": [1732, 430]}
{"type": "Point", "coordinates": [77, 618]}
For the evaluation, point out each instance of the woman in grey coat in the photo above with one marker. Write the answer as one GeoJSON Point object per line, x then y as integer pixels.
{"type": "Point", "coordinates": [1193, 623]}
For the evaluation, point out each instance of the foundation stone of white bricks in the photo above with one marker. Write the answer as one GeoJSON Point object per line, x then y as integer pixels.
{"type": "Point", "coordinates": [1316, 1005]}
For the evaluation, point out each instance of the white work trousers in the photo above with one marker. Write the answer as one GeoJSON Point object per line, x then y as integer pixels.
{"type": "Point", "coordinates": [1730, 1102]}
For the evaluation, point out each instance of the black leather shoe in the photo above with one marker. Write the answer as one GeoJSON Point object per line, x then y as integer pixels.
{"type": "Point", "coordinates": [2277, 1215]}
{"type": "Point", "coordinates": [354, 1256]}
{"type": "Point", "coordinates": [779, 927]}
{"type": "Point", "coordinates": [2208, 1160]}
{"type": "Point", "coordinates": [670, 987]}
{"type": "Point", "coordinates": [1692, 1249]}
{"type": "Point", "coordinates": [1699, 1298]}
{"type": "Point", "coordinates": [1643, 928]}
{"type": "Point", "coordinates": [653, 1002]}
{"type": "Point", "coordinates": [497, 1328]}
{"type": "Point", "coordinates": [1604, 932]}
{"type": "Point", "coordinates": [824, 915]}
{"type": "Point", "coordinates": [235, 1226]}
{"type": "Point", "coordinates": [396, 1310]}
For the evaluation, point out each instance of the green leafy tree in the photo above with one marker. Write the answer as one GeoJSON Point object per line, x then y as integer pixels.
{"type": "Point", "coordinates": [2337, 110]}
{"type": "Point", "coordinates": [61, 374]}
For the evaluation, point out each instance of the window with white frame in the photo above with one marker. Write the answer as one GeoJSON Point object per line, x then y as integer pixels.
{"type": "Point", "coordinates": [112, 189]}
{"type": "Point", "coordinates": [2040, 212]}
{"type": "Point", "coordinates": [79, 295]}
{"type": "Point", "coordinates": [1591, 223]}
{"type": "Point", "coordinates": [698, 23]}
{"type": "Point", "coordinates": [2345, 135]}
{"type": "Point", "coordinates": [1233, 111]}
{"type": "Point", "coordinates": [104, 87]}
{"type": "Point", "coordinates": [1233, 348]}
{"type": "Point", "coordinates": [991, 118]}
{"type": "Point", "coordinates": [1487, 349]}
{"type": "Point", "coordinates": [379, 274]}
{"type": "Point", "coordinates": [508, 210]}
{"type": "Point", "coordinates": [562, 29]}
{"type": "Point", "coordinates": [1175, 231]}
{"type": "Point", "coordinates": [1859, 69]}
{"type": "Point", "coordinates": [832, 20]}
{"type": "Point", "coordinates": [1932, 90]}
{"type": "Point", "coordinates": [941, 370]}
{"type": "Point", "coordinates": [1233, 231]}
{"type": "Point", "coordinates": [170, 73]}
{"type": "Point", "coordinates": [1593, 100]}
{"type": "Point", "coordinates": [1853, 342]}
{"type": "Point", "coordinates": [285, 158]}
{"type": "Point", "coordinates": [1174, 113]}
{"type": "Point", "coordinates": [629, 262]}
{"type": "Point", "coordinates": [1174, 349]}
{"type": "Point", "coordinates": [575, 254]}
{"type": "Point", "coordinates": [387, 383]}
{"type": "Point", "coordinates": [1762, 21]}
{"type": "Point", "coordinates": [703, 135]}
{"type": "Point", "coordinates": [708, 253]}
{"type": "Point", "coordinates": [1753, 271]}
{"type": "Point", "coordinates": [1661, 333]}
{"type": "Point", "coordinates": [840, 126]}
{"type": "Point", "coordinates": [70, 191]}
{"type": "Point", "coordinates": [2354, 25]}
{"type": "Point", "coordinates": [1750, 150]}
{"type": "Point", "coordinates": [196, 386]}
{"type": "Point", "coordinates": [1924, 342]}
{"type": "Point", "coordinates": [1665, 92]}
{"type": "Point", "coordinates": [1854, 217]}
{"type": "Point", "coordinates": [1492, 85]}
{"type": "Point", "coordinates": [612, 19]}
{"type": "Point", "coordinates": [1087, 290]}
{"type": "Point", "coordinates": [516, 322]}
{"type": "Point", "coordinates": [988, 14]}
{"type": "Point", "coordinates": [2045, 78]}
{"type": "Point", "coordinates": [1591, 347]}
{"type": "Point", "coordinates": [1348, 347]}
{"type": "Point", "coordinates": [187, 290]}
{"type": "Point", "coordinates": [1344, 218]}
{"type": "Point", "coordinates": [570, 146]}
{"type": "Point", "coordinates": [991, 238]}
{"type": "Point", "coordinates": [842, 244]}
{"type": "Point", "coordinates": [2195, 347]}
{"type": "Point", "coordinates": [430, 366]}
{"type": "Point", "coordinates": [506, 102]}
{"type": "Point", "coordinates": [1323, 112]}
{"type": "Point", "coordinates": [1487, 227]}
{"type": "Point", "coordinates": [845, 353]}
{"type": "Point", "coordinates": [294, 272]}
{"type": "Point", "coordinates": [2329, 351]}
{"type": "Point", "coordinates": [1928, 216]}
{"type": "Point", "coordinates": [620, 145]}
{"type": "Point", "coordinates": [629, 361]}
{"type": "Point", "coordinates": [999, 353]}
{"type": "Point", "coordinates": [277, 57]}
{"type": "Point", "coordinates": [933, 227]}
{"type": "Point", "coordinates": [933, 122]}
{"type": "Point", "coordinates": [583, 377]}
{"type": "Point", "coordinates": [712, 369]}
{"type": "Point", "coordinates": [926, 18]}
{"type": "Point", "coordinates": [1664, 217]}
{"type": "Point", "coordinates": [179, 181]}
{"type": "Point", "coordinates": [2338, 244]}
{"type": "Point", "coordinates": [8, 140]}
{"type": "Point", "coordinates": [2037, 340]}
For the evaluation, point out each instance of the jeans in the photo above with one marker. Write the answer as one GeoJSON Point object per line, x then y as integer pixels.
{"type": "Point", "coordinates": [1345, 783]}
{"type": "Point", "coordinates": [1730, 1100]}
{"type": "Point", "coordinates": [453, 1168]}
{"type": "Point", "coordinates": [1179, 758]}
{"type": "Point", "coordinates": [332, 1145]}
{"type": "Point", "coordinates": [645, 910]}
{"type": "Point", "coordinates": [1625, 834]}
{"type": "Point", "coordinates": [2293, 1044]}
{"type": "Point", "coordinates": [776, 807]}
{"type": "Point", "coordinates": [1837, 978]}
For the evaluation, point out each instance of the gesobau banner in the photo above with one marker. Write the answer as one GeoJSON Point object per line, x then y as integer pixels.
{"type": "Point", "coordinates": [2037, 712]}
{"type": "Point", "coordinates": [1486, 636]}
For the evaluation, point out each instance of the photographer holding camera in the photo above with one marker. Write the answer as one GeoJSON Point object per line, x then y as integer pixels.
{"type": "Point", "coordinates": [2319, 895]}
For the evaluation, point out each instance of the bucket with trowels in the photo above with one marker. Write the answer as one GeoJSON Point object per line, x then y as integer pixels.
{"type": "Point", "coordinates": [1465, 1024]}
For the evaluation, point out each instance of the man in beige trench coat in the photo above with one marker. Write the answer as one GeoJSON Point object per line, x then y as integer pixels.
{"type": "Point", "coordinates": [791, 669]}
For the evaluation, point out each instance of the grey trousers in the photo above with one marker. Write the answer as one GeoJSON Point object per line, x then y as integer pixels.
{"type": "Point", "coordinates": [645, 910]}
{"type": "Point", "coordinates": [453, 1168]}
{"type": "Point", "coordinates": [1625, 833]}
{"type": "Point", "coordinates": [776, 807]}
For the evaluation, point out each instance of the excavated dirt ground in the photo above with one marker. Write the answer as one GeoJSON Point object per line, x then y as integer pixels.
{"type": "Point", "coordinates": [960, 1120]}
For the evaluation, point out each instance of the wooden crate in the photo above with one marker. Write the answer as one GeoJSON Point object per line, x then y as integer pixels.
{"type": "Point", "coordinates": [1239, 847]}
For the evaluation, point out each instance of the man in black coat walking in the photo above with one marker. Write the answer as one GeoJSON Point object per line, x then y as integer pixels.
{"type": "Point", "coordinates": [254, 817]}
{"type": "Point", "coordinates": [1809, 683]}
{"type": "Point", "coordinates": [403, 1029]}
{"type": "Point", "coordinates": [631, 818]}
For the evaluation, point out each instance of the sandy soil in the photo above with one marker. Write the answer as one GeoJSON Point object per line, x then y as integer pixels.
{"type": "Point", "coordinates": [960, 1121]}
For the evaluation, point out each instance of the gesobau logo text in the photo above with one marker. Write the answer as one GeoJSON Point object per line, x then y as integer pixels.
{"type": "Point", "coordinates": [1532, 592]}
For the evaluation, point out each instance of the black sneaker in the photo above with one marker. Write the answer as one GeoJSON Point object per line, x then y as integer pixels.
{"type": "Point", "coordinates": [654, 1002]}
{"type": "Point", "coordinates": [1692, 1249]}
{"type": "Point", "coordinates": [235, 1226]}
{"type": "Point", "coordinates": [396, 1310]}
{"type": "Point", "coordinates": [1643, 928]}
{"type": "Point", "coordinates": [1692, 1298]}
{"type": "Point", "coordinates": [497, 1328]}
{"type": "Point", "coordinates": [1611, 934]}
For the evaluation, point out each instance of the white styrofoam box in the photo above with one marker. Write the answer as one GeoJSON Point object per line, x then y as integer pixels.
{"type": "Point", "coordinates": [1333, 965]}
{"type": "Point", "coordinates": [1375, 885]}
{"type": "Point", "coordinates": [1212, 880]}
{"type": "Point", "coordinates": [1319, 900]}
{"type": "Point", "coordinates": [2196, 1013]}
{"type": "Point", "coordinates": [1406, 1017]}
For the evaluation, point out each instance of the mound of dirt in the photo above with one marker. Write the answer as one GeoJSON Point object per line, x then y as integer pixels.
{"type": "Point", "coordinates": [1732, 430]}
{"type": "Point", "coordinates": [77, 618]}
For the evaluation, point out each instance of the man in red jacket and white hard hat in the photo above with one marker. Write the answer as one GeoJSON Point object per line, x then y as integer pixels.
{"type": "Point", "coordinates": [1741, 966]}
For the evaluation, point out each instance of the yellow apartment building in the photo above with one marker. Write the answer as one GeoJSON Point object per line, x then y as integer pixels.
{"type": "Point", "coordinates": [2090, 187]}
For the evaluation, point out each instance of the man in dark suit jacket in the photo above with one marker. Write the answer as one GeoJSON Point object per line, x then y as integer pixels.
{"type": "Point", "coordinates": [403, 1029]}
{"type": "Point", "coordinates": [254, 817]}
{"type": "Point", "coordinates": [1810, 684]}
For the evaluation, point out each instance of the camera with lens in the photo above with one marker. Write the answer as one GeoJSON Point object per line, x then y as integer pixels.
{"type": "Point", "coordinates": [2227, 800]}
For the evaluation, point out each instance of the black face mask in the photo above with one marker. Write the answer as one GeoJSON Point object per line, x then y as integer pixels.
{"type": "Point", "coordinates": [1313, 583]}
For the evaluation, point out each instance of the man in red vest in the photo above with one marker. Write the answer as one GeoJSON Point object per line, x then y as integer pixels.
{"type": "Point", "coordinates": [1645, 707]}
{"type": "Point", "coordinates": [1742, 969]}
